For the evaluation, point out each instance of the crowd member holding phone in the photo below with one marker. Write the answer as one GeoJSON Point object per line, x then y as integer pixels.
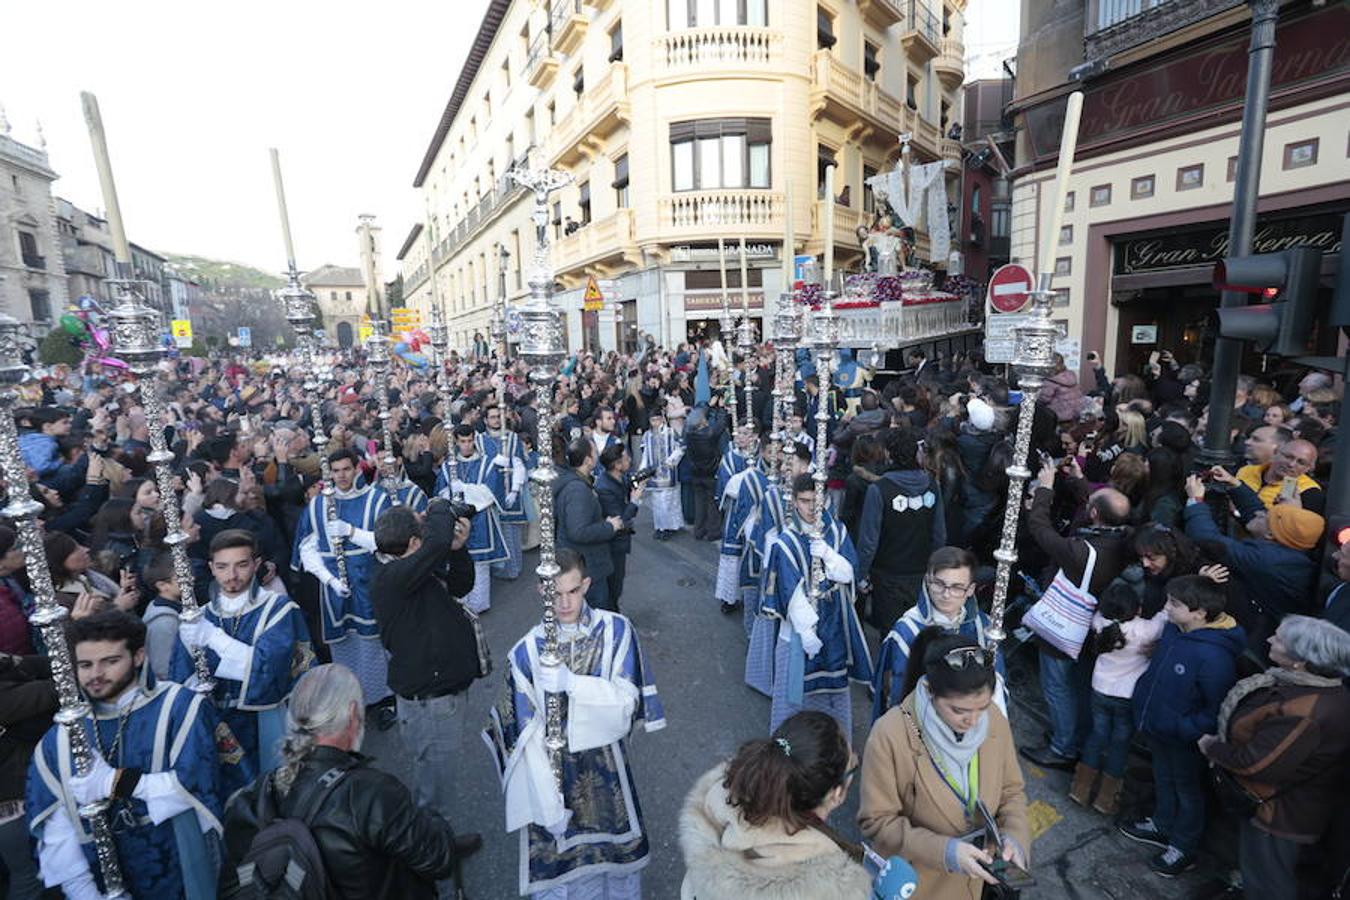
{"type": "Point", "coordinates": [932, 761]}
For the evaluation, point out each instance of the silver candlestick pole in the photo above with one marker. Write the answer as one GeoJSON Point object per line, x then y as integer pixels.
{"type": "Point", "coordinates": [1034, 361]}
{"type": "Point", "coordinates": [440, 352]}
{"type": "Point", "coordinates": [824, 340]}
{"type": "Point", "coordinates": [542, 349]}
{"type": "Point", "coordinates": [497, 327]}
{"type": "Point", "coordinates": [49, 616]}
{"type": "Point", "coordinates": [135, 331]}
{"type": "Point", "coordinates": [728, 336]}
{"type": "Point", "coordinates": [377, 356]}
{"type": "Point", "coordinates": [745, 340]}
{"type": "Point", "coordinates": [787, 323]}
{"type": "Point", "coordinates": [299, 307]}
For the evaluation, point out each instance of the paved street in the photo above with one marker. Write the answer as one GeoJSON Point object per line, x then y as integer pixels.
{"type": "Point", "coordinates": [697, 655]}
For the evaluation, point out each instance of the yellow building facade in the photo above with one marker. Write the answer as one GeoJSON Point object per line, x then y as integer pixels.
{"type": "Point", "coordinates": [681, 122]}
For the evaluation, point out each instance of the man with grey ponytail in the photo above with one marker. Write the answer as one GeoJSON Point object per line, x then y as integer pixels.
{"type": "Point", "coordinates": [373, 839]}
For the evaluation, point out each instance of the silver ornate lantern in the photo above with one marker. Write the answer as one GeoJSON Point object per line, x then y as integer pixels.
{"type": "Point", "coordinates": [377, 357]}
{"type": "Point", "coordinates": [824, 341]}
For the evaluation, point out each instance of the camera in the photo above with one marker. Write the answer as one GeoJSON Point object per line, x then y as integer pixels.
{"type": "Point", "coordinates": [462, 509]}
{"type": "Point", "coordinates": [643, 474]}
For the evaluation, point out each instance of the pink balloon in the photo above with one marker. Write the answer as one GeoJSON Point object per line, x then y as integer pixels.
{"type": "Point", "coordinates": [111, 361]}
{"type": "Point", "coordinates": [101, 338]}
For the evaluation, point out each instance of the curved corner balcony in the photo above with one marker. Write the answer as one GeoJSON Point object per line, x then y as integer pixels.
{"type": "Point", "coordinates": [598, 113]}
{"type": "Point", "coordinates": [722, 52]}
{"type": "Point", "coordinates": [602, 247]}
{"type": "Point", "coordinates": [698, 215]}
{"type": "Point", "coordinates": [950, 63]}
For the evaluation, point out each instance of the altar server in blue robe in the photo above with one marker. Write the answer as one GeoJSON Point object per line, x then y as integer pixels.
{"type": "Point", "coordinates": [737, 515]}
{"type": "Point", "coordinates": [587, 840]}
{"type": "Point", "coordinates": [508, 454]}
{"type": "Point", "coordinates": [821, 647]}
{"type": "Point", "coordinates": [154, 760]}
{"type": "Point", "coordinates": [735, 459]}
{"type": "Point", "coordinates": [468, 475]}
{"type": "Point", "coordinates": [257, 645]}
{"type": "Point", "coordinates": [349, 628]}
{"type": "Point", "coordinates": [768, 516]}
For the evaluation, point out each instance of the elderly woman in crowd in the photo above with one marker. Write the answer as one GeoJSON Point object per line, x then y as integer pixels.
{"type": "Point", "coordinates": [1280, 752]}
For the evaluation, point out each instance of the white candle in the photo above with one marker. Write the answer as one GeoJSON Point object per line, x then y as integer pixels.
{"type": "Point", "coordinates": [745, 282]}
{"type": "Point", "coordinates": [112, 210]}
{"type": "Point", "coordinates": [1068, 142]}
{"type": "Point", "coordinates": [828, 226]}
{"type": "Point", "coordinates": [722, 268]}
{"type": "Point", "coordinates": [788, 240]}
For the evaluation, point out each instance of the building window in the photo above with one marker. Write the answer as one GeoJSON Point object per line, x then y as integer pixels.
{"type": "Point", "coordinates": [999, 222]}
{"type": "Point", "coordinates": [1069, 200]}
{"type": "Point", "coordinates": [1191, 177]}
{"type": "Point", "coordinates": [975, 200]}
{"type": "Point", "coordinates": [584, 202]}
{"type": "Point", "coordinates": [825, 38]}
{"type": "Point", "coordinates": [1100, 195]}
{"type": "Point", "coordinates": [1061, 297]}
{"type": "Point", "coordinates": [18, 186]}
{"type": "Point", "coordinates": [579, 82]}
{"type": "Point", "coordinates": [557, 220]}
{"type": "Point", "coordinates": [28, 249]}
{"type": "Point", "coordinates": [332, 295]}
{"type": "Point", "coordinates": [1066, 234]}
{"type": "Point", "coordinates": [869, 198]}
{"type": "Point", "coordinates": [944, 113]}
{"type": "Point", "coordinates": [912, 92]}
{"type": "Point", "coordinates": [1141, 188]}
{"type": "Point", "coordinates": [506, 72]}
{"type": "Point", "coordinates": [616, 43]}
{"type": "Point", "coordinates": [1064, 265]}
{"type": "Point", "coordinates": [39, 302]}
{"type": "Point", "coordinates": [529, 128]}
{"type": "Point", "coordinates": [707, 13]}
{"type": "Point", "coordinates": [720, 153]}
{"type": "Point", "coordinates": [871, 64]}
{"type": "Point", "coordinates": [621, 182]}
{"type": "Point", "coordinates": [1232, 168]}
{"type": "Point", "coordinates": [1300, 153]}
{"type": "Point", "coordinates": [946, 20]}
{"type": "Point", "coordinates": [349, 296]}
{"type": "Point", "coordinates": [824, 159]}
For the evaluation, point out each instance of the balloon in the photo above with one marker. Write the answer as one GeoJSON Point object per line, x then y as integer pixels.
{"type": "Point", "coordinates": [411, 357]}
{"type": "Point", "coordinates": [73, 326]}
{"type": "Point", "coordinates": [101, 338]}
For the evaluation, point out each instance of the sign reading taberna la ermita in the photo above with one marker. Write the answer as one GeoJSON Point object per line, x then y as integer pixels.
{"type": "Point", "coordinates": [1208, 244]}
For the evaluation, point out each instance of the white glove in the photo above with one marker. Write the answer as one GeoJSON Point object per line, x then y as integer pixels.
{"type": "Point", "coordinates": [674, 458]}
{"type": "Point", "coordinates": [554, 679]}
{"type": "Point", "coordinates": [501, 461]}
{"type": "Point", "coordinates": [96, 785]}
{"type": "Point", "coordinates": [197, 634]}
{"type": "Point", "coordinates": [811, 644]}
{"type": "Point", "coordinates": [511, 498]}
{"type": "Point", "coordinates": [820, 549]}
{"type": "Point", "coordinates": [337, 528]}
{"type": "Point", "coordinates": [337, 586]}
{"type": "Point", "coordinates": [457, 488]}
{"type": "Point", "coordinates": [559, 828]}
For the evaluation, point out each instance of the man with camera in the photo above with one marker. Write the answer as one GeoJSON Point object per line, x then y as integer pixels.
{"type": "Point", "coordinates": [421, 569]}
{"type": "Point", "coordinates": [619, 496]}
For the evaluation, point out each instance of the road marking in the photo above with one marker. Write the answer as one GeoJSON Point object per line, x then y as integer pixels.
{"type": "Point", "coordinates": [1042, 817]}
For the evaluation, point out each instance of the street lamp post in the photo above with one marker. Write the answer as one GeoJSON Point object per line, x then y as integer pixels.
{"type": "Point", "coordinates": [541, 347]}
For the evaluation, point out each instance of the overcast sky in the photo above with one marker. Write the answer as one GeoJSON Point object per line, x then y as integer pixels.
{"type": "Point", "coordinates": [349, 92]}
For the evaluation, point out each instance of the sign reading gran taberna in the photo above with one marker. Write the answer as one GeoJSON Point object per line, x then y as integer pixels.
{"type": "Point", "coordinates": [1208, 244]}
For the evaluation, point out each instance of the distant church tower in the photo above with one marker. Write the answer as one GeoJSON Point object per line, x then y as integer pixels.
{"type": "Point", "coordinates": [368, 236]}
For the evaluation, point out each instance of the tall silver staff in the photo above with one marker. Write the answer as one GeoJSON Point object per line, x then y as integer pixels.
{"type": "Point", "coordinates": [728, 324]}
{"type": "Point", "coordinates": [299, 306]}
{"type": "Point", "coordinates": [50, 616]}
{"type": "Point", "coordinates": [542, 349]}
{"type": "Point", "coordinates": [745, 340]}
{"type": "Point", "coordinates": [497, 329]}
{"type": "Point", "coordinates": [1034, 360]}
{"type": "Point", "coordinates": [136, 330]}
{"type": "Point", "coordinates": [824, 340]}
{"type": "Point", "coordinates": [787, 335]}
{"type": "Point", "coordinates": [377, 357]}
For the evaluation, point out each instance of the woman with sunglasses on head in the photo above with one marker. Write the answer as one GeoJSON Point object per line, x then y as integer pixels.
{"type": "Point", "coordinates": [931, 761]}
{"type": "Point", "coordinates": [754, 828]}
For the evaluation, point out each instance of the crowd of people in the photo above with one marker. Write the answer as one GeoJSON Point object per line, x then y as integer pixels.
{"type": "Point", "coordinates": [1202, 639]}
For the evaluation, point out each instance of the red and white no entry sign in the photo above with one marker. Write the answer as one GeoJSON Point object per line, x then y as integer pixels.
{"type": "Point", "coordinates": [1009, 288]}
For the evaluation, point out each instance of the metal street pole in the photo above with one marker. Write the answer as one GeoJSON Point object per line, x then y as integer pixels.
{"type": "Point", "coordinates": [1218, 444]}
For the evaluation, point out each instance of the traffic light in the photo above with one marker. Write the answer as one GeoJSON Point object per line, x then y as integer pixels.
{"type": "Point", "coordinates": [1289, 282]}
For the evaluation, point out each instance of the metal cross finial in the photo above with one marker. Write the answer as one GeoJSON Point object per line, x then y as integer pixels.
{"type": "Point", "coordinates": [541, 182]}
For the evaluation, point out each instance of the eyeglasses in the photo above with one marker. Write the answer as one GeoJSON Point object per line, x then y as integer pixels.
{"type": "Point", "coordinates": [963, 656]}
{"type": "Point", "coordinates": [938, 586]}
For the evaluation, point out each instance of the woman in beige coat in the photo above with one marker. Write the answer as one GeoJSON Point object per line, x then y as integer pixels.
{"type": "Point", "coordinates": [754, 828]}
{"type": "Point", "coordinates": [930, 760]}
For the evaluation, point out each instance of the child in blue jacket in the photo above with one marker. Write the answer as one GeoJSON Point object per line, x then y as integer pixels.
{"type": "Point", "coordinates": [1176, 701]}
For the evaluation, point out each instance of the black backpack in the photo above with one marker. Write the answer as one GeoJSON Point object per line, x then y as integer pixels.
{"type": "Point", "coordinates": [283, 861]}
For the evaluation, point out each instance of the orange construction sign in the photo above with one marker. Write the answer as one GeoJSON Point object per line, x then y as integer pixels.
{"type": "Point", "coordinates": [593, 300]}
